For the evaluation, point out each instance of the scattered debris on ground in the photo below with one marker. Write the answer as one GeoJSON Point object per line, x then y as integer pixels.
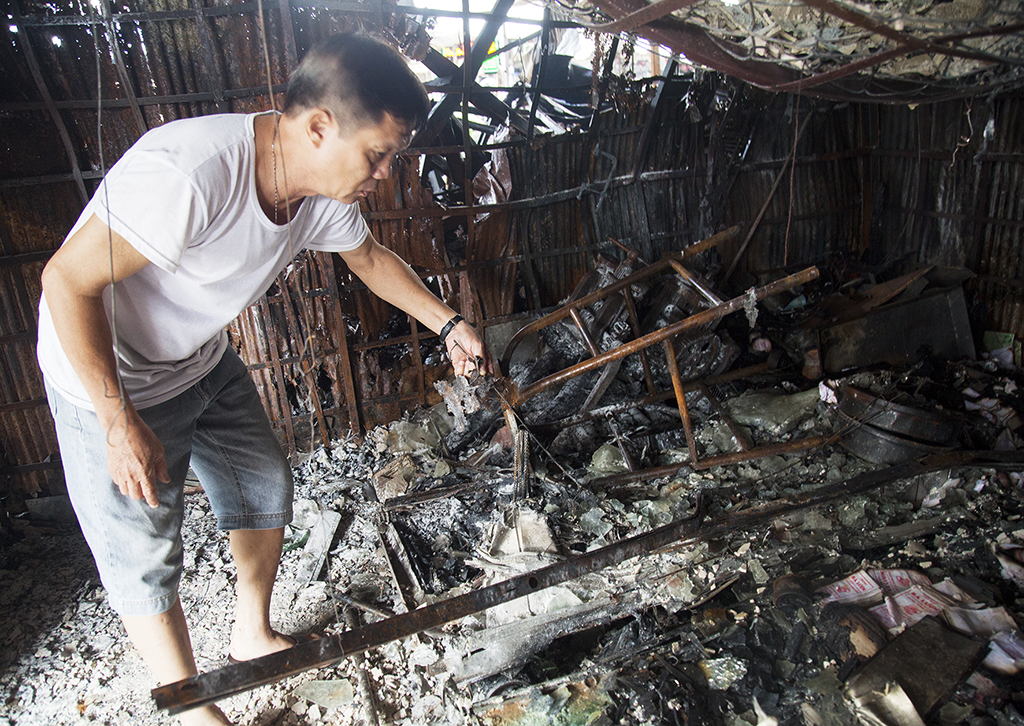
{"type": "Point", "coordinates": [818, 582]}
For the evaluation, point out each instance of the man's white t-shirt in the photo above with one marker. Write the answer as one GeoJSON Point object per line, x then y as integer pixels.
{"type": "Point", "coordinates": [185, 197]}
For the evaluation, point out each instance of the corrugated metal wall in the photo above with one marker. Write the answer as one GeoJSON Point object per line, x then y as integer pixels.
{"type": "Point", "coordinates": [933, 184]}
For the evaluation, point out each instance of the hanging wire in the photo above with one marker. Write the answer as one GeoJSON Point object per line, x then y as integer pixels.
{"type": "Point", "coordinates": [110, 234]}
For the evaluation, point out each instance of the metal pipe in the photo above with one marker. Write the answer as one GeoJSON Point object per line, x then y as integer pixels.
{"type": "Point", "coordinates": [677, 387]}
{"type": "Point", "coordinates": [652, 269]}
{"type": "Point", "coordinates": [702, 318]}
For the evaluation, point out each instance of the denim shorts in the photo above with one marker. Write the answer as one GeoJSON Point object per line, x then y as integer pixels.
{"type": "Point", "coordinates": [220, 428]}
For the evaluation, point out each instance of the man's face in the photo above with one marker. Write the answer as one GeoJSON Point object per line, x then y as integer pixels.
{"type": "Point", "coordinates": [351, 162]}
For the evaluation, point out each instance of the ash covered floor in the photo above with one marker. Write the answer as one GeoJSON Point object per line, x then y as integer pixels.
{"type": "Point", "coordinates": [847, 549]}
{"type": "Point", "coordinates": [731, 629]}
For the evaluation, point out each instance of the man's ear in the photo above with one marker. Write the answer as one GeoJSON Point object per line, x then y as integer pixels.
{"type": "Point", "coordinates": [319, 125]}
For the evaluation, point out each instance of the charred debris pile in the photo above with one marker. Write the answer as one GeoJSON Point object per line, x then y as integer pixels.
{"type": "Point", "coordinates": [796, 505]}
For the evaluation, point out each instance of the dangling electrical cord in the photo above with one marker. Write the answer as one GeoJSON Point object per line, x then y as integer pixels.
{"type": "Point", "coordinates": [110, 234]}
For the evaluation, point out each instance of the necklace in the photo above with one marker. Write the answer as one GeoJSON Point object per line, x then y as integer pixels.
{"type": "Point", "coordinates": [273, 156]}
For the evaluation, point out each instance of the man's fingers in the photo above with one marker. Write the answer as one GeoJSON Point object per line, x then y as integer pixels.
{"type": "Point", "coordinates": [150, 494]}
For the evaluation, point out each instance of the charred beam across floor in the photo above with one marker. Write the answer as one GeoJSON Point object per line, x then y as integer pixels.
{"type": "Point", "coordinates": [210, 687]}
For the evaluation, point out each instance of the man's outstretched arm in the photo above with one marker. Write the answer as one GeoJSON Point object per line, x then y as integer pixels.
{"type": "Point", "coordinates": [73, 283]}
{"type": "Point", "coordinates": [392, 280]}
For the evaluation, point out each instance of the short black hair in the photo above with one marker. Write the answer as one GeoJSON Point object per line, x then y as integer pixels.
{"type": "Point", "coordinates": [359, 79]}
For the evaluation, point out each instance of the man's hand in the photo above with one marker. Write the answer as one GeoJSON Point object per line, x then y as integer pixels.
{"type": "Point", "coordinates": [135, 458]}
{"type": "Point", "coordinates": [467, 350]}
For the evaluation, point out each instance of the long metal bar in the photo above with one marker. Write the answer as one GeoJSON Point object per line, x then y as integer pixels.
{"type": "Point", "coordinates": [634, 323]}
{"type": "Point", "coordinates": [206, 688]}
{"type": "Point", "coordinates": [652, 269]}
{"type": "Point", "coordinates": [584, 333]}
{"type": "Point", "coordinates": [654, 398]}
{"type": "Point", "coordinates": [44, 92]}
{"type": "Point", "coordinates": [677, 387]}
{"type": "Point", "coordinates": [702, 318]}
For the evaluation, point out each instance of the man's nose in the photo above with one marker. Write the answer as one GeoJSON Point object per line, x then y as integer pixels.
{"type": "Point", "coordinates": [383, 170]}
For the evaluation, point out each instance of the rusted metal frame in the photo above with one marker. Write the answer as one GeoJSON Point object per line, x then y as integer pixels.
{"type": "Point", "coordinates": [284, 9]}
{"type": "Point", "coordinates": [695, 283]}
{"type": "Point", "coordinates": [645, 137]}
{"type": "Point", "coordinates": [652, 269]}
{"type": "Point", "coordinates": [702, 318]}
{"type": "Point", "coordinates": [583, 302]}
{"type": "Point", "coordinates": [737, 432]}
{"type": "Point", "coordinates": [30, 468]}
{"type": "Point", "coordinates": [276, 367]}
{"type": "Point", "coordinates": [677, 387]}
{"type": "Point", "coordinates": [643, 16]}
{"type": "Point", "coordinates": [122, 71]}
{"type": "Point", "coordinates": [305, 356]}
{"type": "Point", "coordinates": [22, 405]}
{"type": "Point", "coordinates": [767, 202]}
{"type": "Point", "coordinates": [215, 70]}
{"type": "Point", "coordinates": [37, 76]}
{"type": "Point", "coordinates": [868, 23]}
{"type": "Point", "coordinates": [634, 323]}
{"type": "Point", "coordinates": [659, 397]}
{"type": "Point", "coordinates": [473, 57]}
{"type": "Point", "coordinates": [417, 359]}
{"type": "Point", "coordinates": [545, 44]}
{"type": "Point", "coordinates": [207, 688]}
{"type": "Point", "coordinates": [584, 333]}
{"type": "Point", "coordinates": [351, 402]}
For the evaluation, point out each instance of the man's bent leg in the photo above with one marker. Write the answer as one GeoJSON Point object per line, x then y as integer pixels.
{"type": "Point", "coordinates": [257, 553]}
{"type": "Point", "coordinates": [164, 644]}
{"type": "Point", "coordinates": [248, 480]}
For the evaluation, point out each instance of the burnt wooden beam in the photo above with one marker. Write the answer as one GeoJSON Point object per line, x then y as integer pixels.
{"type": "Point", "coordinates": [44, 92]}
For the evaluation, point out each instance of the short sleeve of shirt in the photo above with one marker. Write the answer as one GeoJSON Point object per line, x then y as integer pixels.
{"type": "Point", "coordinates": [340, 227]}
{"type": "Point", "coordinates": [154, 206]}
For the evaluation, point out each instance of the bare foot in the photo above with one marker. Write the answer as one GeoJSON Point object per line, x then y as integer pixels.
{"type": "Point", "coordinates": [247, 648]}
{"type": "Point", "coordinates": [205, 716]}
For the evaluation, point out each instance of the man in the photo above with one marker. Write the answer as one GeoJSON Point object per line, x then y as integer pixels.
{"type": "Point", "coordinates": [189, 228]}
